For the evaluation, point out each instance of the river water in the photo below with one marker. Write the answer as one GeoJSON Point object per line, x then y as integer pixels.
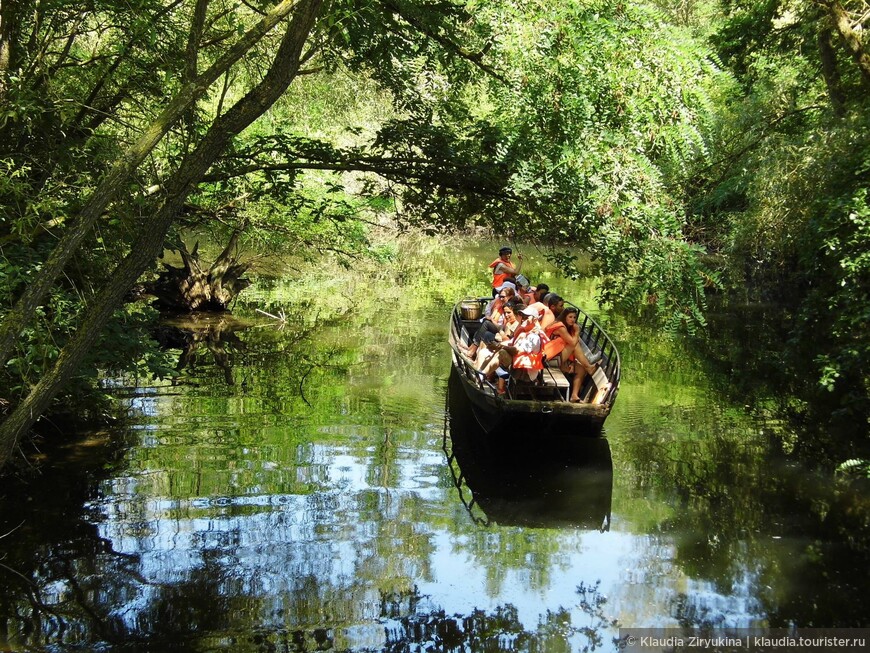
{"type": "Point", "coordinates": [323, 487]}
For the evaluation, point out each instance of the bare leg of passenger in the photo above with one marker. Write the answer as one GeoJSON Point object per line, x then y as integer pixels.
{"type": "Point", "coordinates": [582, 367]}
{"type": "Point", "coordinates": [576, 384]}
{"type": "Point", "coordinates": [580, 357]}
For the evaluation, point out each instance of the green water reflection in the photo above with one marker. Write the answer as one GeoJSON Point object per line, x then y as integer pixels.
{"type": "Point", "coordinates": [316, 490]}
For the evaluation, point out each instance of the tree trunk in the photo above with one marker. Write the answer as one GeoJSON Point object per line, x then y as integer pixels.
{"type": "Point", "coordinates": [117, 178]}
{"type": "Point", "coordinates": [149, 243]}
{"type": "Point", "coordinates": [830, 72]}
{"type": "Point", "coordinates": [192, 288]}
{"type": "Point", "coordinates": [8, 42]}
{"type": "Point", "coordinates": [851, 37]}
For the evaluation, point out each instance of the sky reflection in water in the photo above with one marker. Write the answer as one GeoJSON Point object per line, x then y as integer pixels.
{"type": "Point", "coordinates": [239, 510]}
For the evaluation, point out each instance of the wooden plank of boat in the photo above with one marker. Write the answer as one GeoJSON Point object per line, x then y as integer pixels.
{"type": "Point", "coordinates": [545, 403]}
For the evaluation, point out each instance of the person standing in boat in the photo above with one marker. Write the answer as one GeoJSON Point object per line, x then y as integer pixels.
{"type": "Point", "coordinates": [503, 268]}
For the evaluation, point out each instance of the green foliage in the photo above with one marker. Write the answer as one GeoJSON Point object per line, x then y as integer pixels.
{"type": "Point", "coordinates": [785, 201]}
{"type": "Point", "coordinates": [838, 304]}
{"type": "Point", "coordinates": [125, 347]}
{"type": "Point", "coordinates": [605, 116]}
{"type": "Point", "coordinates": [854, 468]}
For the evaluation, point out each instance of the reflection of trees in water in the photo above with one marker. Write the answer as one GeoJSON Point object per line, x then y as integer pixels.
{"type": "Point", "coordinates": [214, 337]}
{"type": "Point", "coordinates": [780, 540]}
{"type": "Point", "coordinates": [760, 362]}
{"type": "Point", "coordinates": [410, 628]}
{"type": "Point", "coordinates": [74, 603]}
{"type": "Point", "coordinates": [257, 580]}
{"type": "Point", "coordinates": [700, 465]}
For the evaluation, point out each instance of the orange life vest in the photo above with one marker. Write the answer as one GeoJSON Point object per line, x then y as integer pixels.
{"type": "Point", "coordinates": [556, 345]}
{"type": "Point", "coordinates": [550, 329]}
{"type": "Point", "coordinates": [553, 348]}
{"type": "Point", "coordinates": [530, 360]}
{"type": "Point", "coordinates": [498, 279]}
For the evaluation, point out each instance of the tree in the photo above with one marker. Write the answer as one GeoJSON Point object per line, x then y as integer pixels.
{"type": "Point", "coordinates": [605, 114]}
{"type": "Point", "coordinates": [121, 171]}
{"type": "Point", "coordinates": [117, 118]}
{"type": "Point", "coordinates": [786, 192]}
{"type": "Point", "coordinates": [149, 243]}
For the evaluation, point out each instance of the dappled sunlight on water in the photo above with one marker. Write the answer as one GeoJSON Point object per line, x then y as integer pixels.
{"type": "Point", "coordinates": [338, 497]}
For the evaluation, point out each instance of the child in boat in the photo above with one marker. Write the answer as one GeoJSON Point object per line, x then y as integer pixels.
{"type": "Point", "coordinates": [572, 354]}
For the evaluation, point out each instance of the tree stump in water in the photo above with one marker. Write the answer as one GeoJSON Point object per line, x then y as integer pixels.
{"type": "Point", "coordinates": [192, 288]}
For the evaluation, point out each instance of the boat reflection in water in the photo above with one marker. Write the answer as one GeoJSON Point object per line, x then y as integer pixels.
{"type": "Point", "coordinates": [525, 478]}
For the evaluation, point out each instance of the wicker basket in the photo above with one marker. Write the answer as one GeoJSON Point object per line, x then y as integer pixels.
{"type": "Point", "coordinates": [470, 310]}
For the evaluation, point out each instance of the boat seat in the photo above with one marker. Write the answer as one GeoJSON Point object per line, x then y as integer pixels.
{"type": "Point", "coordinates": [550, 382]}
{"type": "Point", "coordinates": [554, 378]}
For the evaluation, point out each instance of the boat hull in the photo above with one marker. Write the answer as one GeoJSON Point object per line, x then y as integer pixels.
{"type": "Point", "coordinates": [543, 405]}
{"type": "Point", "coordinates": [494, 413]}
{"type": "Point", "coordinates": [515, 481]}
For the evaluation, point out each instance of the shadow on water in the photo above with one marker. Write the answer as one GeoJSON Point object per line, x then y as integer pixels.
{"type": "Point", "coordinates": [526, 478]}
{"type": "Point", "coordinates": [197, 333]}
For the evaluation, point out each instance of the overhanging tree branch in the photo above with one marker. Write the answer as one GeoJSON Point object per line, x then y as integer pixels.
{"type": "Point", "coordinates": [115, 180]}
{"type": "Point", "coordinates": [396, 169]}
{"type": "Point", "coordinates": [149, 241]}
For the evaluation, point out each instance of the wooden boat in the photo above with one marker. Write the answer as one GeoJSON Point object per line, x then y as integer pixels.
{"type": "Point", "coordinates": [544, 404]}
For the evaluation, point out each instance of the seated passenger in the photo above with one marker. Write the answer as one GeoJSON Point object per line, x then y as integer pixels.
{"type": "Point", "coordinates": [535, 293]}
{"type": "Point", "coordinates": [555, 305]}
{"type": "Point", "coordinates": [574, 352]}
{"type": "Point", "coordinates": [524, 289]}
{"type": "Point", "coordinates": [503, 321]}
{"type": "Point", "coordinates": [548, 316]}
{"type": "Point", "coordinates": [522, 354]}
{"type": "Point", "coordinates": [505, 293]}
